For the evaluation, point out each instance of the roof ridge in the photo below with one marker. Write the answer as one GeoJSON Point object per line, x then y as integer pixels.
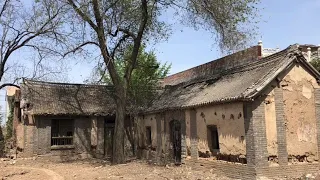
{"type": "Point", "coordinates": [36, 82]}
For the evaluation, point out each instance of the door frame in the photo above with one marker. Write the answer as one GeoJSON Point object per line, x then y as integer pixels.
{"type": "Point", "coordinates": [175, 139]}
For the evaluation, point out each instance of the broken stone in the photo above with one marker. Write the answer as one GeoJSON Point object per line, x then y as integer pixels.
{"type": "Point", "coordinates": [12, 162]}
{"type": "Point", "coordinates": [310, 159]}
{"type": "Point", "coordinates": [308, 175]}
{"type": "Point", "coordinates": [5, 159]}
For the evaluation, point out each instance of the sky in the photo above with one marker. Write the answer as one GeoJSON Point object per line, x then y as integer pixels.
{"type": "Point", "coordinates": [282, 23]}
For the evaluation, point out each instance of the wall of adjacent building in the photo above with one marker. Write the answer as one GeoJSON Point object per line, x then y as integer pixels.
{"type": "Point", "coordinates": [300, 113]}
{"type": "Point", "coordinates": [270, 121]}
{"type": "Point", "coordinates": [161, 149]}
{"type": "Point", "coordinates": [229, 120]}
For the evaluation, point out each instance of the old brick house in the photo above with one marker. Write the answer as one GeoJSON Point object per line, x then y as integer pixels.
{"type": "Point", "coordinates": [249, 114]}
{"type": "Point", "coordinates": [63, 119]}
{"type": "Point", "coordinates": [246, 115]}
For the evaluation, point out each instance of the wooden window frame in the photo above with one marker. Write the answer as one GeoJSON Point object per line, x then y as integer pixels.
{"type": "Point", "coordinates": [62, 141]}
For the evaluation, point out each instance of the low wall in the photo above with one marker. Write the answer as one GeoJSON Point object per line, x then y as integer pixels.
{"type": "Point", "coordinates": [241, 171]}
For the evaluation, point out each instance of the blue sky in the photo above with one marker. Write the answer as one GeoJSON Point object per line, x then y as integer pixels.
{"type": "Point", "coordinates": [283, 22]}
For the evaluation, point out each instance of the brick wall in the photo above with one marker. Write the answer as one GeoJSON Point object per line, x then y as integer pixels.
{"type": "Point", "coordinates": [193, 134]}
{"type": "Point", "coordinates": [256, 140]}
{"type": "Point", "coordinates": [100, 136]}
{"type": "Point", "coordinates": [215, 66]}
{"type": "Point", "coordinates": [317, 104]}
{"type": "Point", "coordinates": [281, 128]}
{"type": "Point", "coordinates": [36, 137]}
{"type": "Point", "coordinates": [82, 135]}
{"type": "Point", "coordinates": [43, 136]}
{"type": "Point", "coordinates": [163, 153]}
{"type": "Point", "coordinates": [232, 170]}
{"type": "Point", "coordinates": [239, 171]}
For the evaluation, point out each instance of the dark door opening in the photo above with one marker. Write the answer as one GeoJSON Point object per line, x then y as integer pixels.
{"type": "Point", "coordinates": [175, 127]}
{"type": "Point", "coordinates": [213, 138]}
{"type": "Point", "coordinates": [148, 136]}
{"type": "Point", "coordinates": [108, 136]}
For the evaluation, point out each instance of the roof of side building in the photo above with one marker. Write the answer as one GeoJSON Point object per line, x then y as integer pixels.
{"type": "Point", "coordinates": [45, 98]}
{"type": "Point", "coordinates": [240, 82]}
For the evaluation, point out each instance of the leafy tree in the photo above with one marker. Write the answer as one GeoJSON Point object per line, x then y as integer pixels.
{"type": "Point", "coordinates": [9, 123]}
{"type": "Point", "coordinates": [111, 26]}
{"type": "Point", "coordinates": [144, 84]}
{"type": "Point", "coordinates": [316, 63]}
{"type": "Point", "coordinates": [145, 77]}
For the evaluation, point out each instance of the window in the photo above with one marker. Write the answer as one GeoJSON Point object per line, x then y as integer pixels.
{"type": "Point", "coordinates": [213, 138]}
{"type": "Point", "coordinates": [148, 135]}
{"type": "Point", "coordinates": [61, 132]}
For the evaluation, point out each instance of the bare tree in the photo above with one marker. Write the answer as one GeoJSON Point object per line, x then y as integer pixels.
{"type": "Point", "coordinates": [110, 26]}
{"type": "Point", "coordinates": [31, 26]}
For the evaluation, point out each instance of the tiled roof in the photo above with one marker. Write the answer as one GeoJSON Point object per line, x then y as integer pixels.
{"type": "Point", "coordinates": [240, 82]}
{"type": "Point", "coordinates": [46, 98]}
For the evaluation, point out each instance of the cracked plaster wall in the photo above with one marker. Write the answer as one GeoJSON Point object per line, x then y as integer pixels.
{"type": "Point", "coordinates": [230, 123]}
{"type": "Point", "coordinates": [300, 117]}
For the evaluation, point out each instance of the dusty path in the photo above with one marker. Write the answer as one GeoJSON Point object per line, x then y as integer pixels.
{"type": "Point", "coordinates": [40, 169]}
{"type": "Point", "coordinates": [43, 169]}
{"type": "Point", "coordinates": [16, 172]}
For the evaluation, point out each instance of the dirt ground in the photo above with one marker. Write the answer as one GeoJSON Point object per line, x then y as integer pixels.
{"type": "Point", "coordinates": [40, 169]}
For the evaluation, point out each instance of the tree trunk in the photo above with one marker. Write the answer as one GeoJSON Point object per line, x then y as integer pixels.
{"type": "Point", "coordinates": [118, 140]}
{"type": "Point", "coordinates": [130, 135]}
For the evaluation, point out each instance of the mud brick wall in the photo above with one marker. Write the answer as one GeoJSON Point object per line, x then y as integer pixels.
{"type": "Point", "coordinates": [232, 170]}
{"type": "Point", "coordinates": [317, 104]}
{"type": "Point", "coordinates": [239, 171]}
{"type": "Point", "coordinates": [100, 136]}
{"type": "Point", "coordinates": [82, 135]}
{"type": "Point", "coordinates": [37, 137]}
{"type": "Point", "coordinates": [290, 171]}
{"type": "Point", "coordinates": [193, 134]}
{"type": "Point", "coordinates": [43, 136]}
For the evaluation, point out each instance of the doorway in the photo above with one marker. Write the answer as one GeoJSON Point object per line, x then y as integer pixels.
{"type": "Point", "coordinates": [175, 136]}
{"type": "Point", "coordinates": [108, 136]}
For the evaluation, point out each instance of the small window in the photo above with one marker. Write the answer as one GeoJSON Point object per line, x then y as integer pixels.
{"type": "Point", "coordinates": [213, 138]}
{"type": "Point", "coordinates": [61, 132]}
{"type": "Point", "coordinates": [148, 135]}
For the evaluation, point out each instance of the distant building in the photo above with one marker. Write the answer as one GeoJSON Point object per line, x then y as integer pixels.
{"type": "Point", "coordinates": [10, 92]}
{"type": "Point", "coordinates": [310, 51]}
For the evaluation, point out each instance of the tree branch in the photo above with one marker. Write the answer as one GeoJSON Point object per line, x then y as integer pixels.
{"type": "Point", "coordinates": [83, 15]}
{"type": "Point", "coordinates": [79, 47]}
{"type": "Point", "coordinates": [8, 84]}
{"type": "Point", "coordinates": [118, 45]}
{"type": "Point", "coordinates": [103, 47]}
{"type": "Point", "coordinates": [137, 41]}
{"type": "Point", "coordinates": [4, 7]}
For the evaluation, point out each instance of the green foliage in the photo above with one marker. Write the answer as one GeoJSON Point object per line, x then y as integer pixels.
{"type": "Point", "coordinates": [316, 63]}
{"type": "Point", "coordinates": [145, 77]}
{"type": "Point", "coordinates": [232, 22]}
{"type": "Point", "coordinates": [9, 123]}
